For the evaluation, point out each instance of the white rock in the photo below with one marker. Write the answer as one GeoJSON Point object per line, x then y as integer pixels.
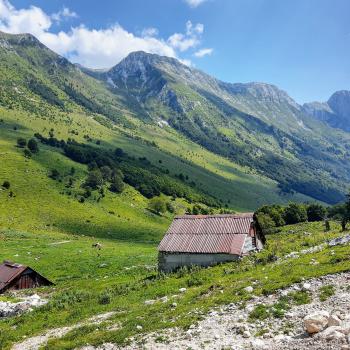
{"type": "Point", "coordinates": [279, 337]}
{"type": "Point", "coordinates": [250, 308]}
{"type": "Point", "coordinates": [246, 334]}
{"type": "Point", "coordinates": [149, 302]}
{"type": "Point", "coordinates": [182, 290]}
{"type": "Point", "coordinates": [333, 321]}
{"type": "Point", "coordinates": [332, 333]}
{"type": "Point", "coordinates": [240, 318]}
{"type": "Point", "coordinates": [316, 322]}
{"type": "Point", "coordinates": [244, 328]}
{"type": "Point", "coordinates": [249, 289]}
{"type": "Point", "coordinates": [306, 286]}
{"type": "Point", "coordinates": [164, 299]}
{"type": "Point", "coordinates": [138, 327]}
{"type": "Point", "coordinates": [258, 344]}
{"type": "Point", "coordinates": [345, 328]}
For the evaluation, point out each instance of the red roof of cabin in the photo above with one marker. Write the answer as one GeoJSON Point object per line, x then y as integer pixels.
{"type": "Point", "coordinates": [207, 234]}
{"type": "Point", "coordinates": [8, 272]}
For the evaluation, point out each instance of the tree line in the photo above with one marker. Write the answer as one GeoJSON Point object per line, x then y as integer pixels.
{"type": "Point", "coordinates": [270, 217]}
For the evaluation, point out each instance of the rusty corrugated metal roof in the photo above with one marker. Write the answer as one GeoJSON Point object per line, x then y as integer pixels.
{"type": "Point", "coordinates": [207, 234]}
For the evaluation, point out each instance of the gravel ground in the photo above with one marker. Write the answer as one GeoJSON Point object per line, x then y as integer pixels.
{"type": "Point", "coordinates": [228, 327]}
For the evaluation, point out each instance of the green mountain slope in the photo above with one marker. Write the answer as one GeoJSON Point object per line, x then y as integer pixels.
{"type": "Point", "coordinates": [42, 93]}
{"type": "Point", "coordinates": [194, 140]}
{"type": "Point", "coordinates": [252, 124]}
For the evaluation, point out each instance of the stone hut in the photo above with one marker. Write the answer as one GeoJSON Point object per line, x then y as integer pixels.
{"type": "Point", "coordinates": [207, 240]}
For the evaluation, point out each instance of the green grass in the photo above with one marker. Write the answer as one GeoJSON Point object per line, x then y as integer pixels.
{"type": "Point", "coordinates": [124, 276]}
{"type": "Point", "coordinates": [300, 297]}
{"type": "Point", "coordinates": [326, 292]}
{"type": "Point", "coordinates": [43, 224]}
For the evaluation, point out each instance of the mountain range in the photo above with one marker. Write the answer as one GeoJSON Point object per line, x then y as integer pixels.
{"type": "Point", "coordinates": [335, 112]}
{"type": "Point", "coordinates": [241, 144]}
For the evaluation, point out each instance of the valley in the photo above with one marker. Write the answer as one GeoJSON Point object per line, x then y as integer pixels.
{"type": "Point", "coordinates": [108, 158]}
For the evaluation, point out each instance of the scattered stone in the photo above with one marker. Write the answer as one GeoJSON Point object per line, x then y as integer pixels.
{"type": "Point", "coordinates": [139, 328]}
{"type": "Point", "coordinates": [150, 302]}
{"type": "Point", "coordinates": [332, 333]}
{"type": "Point", "coordinates": [246, 334]}
{"type": "Point", "coordinates": [182, 290]}
{"type": "Point", "coordinates": [249, 289]}
{"type": "Point", "coordinates": [306, 286]}
{"type": "Point", "coordinates": [333, 321]}
{"type": "Point", "coordinates": [345, 328]}
{"type": "Point", "coordinates": [316, 322]}
{"type": "Point", "coordinates": [258, 344]}
{"type": "Point", "coordinates": [164, 299]}
{"type": "Point", "coordinates": [9, 309]}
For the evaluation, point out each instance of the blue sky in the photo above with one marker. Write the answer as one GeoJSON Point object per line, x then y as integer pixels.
{"type": "Point", "coordinates": [302, 46]}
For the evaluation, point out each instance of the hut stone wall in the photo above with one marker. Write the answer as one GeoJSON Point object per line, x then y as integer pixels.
{"type": "Point", "coordinates": [168, 262]}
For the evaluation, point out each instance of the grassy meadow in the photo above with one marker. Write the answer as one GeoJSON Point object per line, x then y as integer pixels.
{"type": "Point", "coordinates": [123, 275]}
{"type": "Point", "coordinates": [43, 223]}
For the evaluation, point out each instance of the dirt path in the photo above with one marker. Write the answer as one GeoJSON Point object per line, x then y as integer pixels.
{"type": "Point", "coordinates": [58, 243]}
{"type": "Point", "coordinates": [36, 342]}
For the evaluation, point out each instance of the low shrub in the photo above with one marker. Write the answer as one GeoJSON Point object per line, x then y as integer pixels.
{"type": "Point", "coordinates": [326, 292]}
{"type": "Point", "coordinates": [6, 184]}
{"type": "Point", "coordinates": [260, 312]}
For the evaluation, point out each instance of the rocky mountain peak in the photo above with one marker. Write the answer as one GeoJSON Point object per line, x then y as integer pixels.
{"type": "Point", "coordinates": [263, 92]}
{"type": "Point", "coordinates": [335, 112]}
{"type": "Point", "coordinates": [340, 103]}
{"type": "Point", "coordinates": [25, 39]}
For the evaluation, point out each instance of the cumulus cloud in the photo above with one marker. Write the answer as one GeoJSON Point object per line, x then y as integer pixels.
{"type": "Point", "coordinates": [64, 13]}
{"type": "Point", "coordinates": [32, 20]}
{"type": "Point", "coordinates": [194, 3]}
{"type": "Point", "coordinates": [191, 39]}
{"type": "Point", "coordinates": [95, 48]}
{"type": "Point", "coordinates": [203, 52]}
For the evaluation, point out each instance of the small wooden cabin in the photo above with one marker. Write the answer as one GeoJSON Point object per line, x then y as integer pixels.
{"type": "Point", "coordinates": [15, 276]}
{"type": "Point", "coordinates": [207, 240]}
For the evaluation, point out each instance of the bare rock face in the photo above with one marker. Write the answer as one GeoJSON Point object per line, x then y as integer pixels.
{"type": "Point", "coordinates": [316, 322]}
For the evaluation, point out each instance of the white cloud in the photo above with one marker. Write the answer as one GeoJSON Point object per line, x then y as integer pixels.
{"type": "Point", "coordinates": [194, 3]}
{"type": "Point", "coordinates": [103, 47]}
{"type": "Point", "coordinates": [149, 32]}
{"type": "Point", "coordinates": [32, 20]}
{"type": "Point", "coordinates": [194, 29]}
{"type": "Point", "coordinates": [64, 13]}
{"type": "Point", "coordinates": [191, 39]}
{"type": "Point", "coordinates": [95, 48]}
{"type": "Point", "coordinates": [203, 52]}
{"type": "Point", "coordinates": [186, 62]}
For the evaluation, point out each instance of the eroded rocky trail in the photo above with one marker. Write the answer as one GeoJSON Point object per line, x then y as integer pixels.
{"type": "Point", "coordinates": [326, 315]}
